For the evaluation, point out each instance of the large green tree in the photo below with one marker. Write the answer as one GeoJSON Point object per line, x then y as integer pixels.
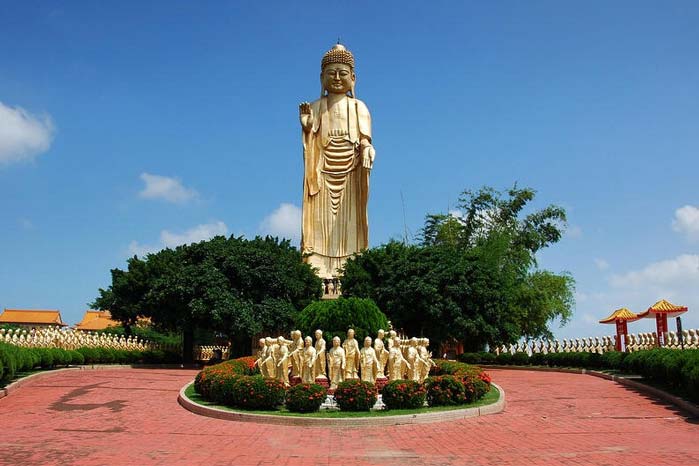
{"type": "Point", "coordinates": [233, 286]}
{"type": "Point", "coordinates": [472, 276]}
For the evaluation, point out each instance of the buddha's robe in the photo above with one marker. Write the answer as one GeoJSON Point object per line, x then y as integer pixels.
{"type": "Point", "coordinates": [336, 185]}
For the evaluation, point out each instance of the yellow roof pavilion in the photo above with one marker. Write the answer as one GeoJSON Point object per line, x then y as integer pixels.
{"type": "Point", "coordinates": [620, 314]}
{"type": "Point", "coordinates": [97, 320]}
{"type": "Point", "coordinates": [663, 307]}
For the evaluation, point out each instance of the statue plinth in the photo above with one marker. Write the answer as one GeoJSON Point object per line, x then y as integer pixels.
{"type": "Point", "coordinates": [323, 381]}
{"type": "Point", "coordinates": [294, 380]}
{"type": "Point", "coordinates": [380, 383]}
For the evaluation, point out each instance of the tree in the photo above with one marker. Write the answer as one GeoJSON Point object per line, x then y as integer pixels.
{"type": "Point", "coordinates": [335, 316]}
{"type": "Point", "coordinates": [473, 277]}
{"type": "Point", "coordinates": [233, 286]}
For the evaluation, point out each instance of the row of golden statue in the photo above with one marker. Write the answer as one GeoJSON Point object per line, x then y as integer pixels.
{"type": "Point", "coordinates": [302, 360]}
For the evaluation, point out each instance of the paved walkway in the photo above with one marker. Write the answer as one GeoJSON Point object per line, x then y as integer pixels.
{"type": "Point", "coordinates": [131, 416]}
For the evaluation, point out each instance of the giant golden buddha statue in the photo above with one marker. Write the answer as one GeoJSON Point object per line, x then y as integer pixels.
{"type": "Point", "coordinates": [338, 157]}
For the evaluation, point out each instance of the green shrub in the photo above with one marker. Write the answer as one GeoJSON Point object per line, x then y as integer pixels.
{"type": "Point", "coordinates": [445, 390]}
{"type": "Point", "coordinates": [470, 358]}
{"type": "Point", "coordinates": [76, 357]}
{"type": "Point", "coordinates": [538, 359]}
{"type": "Point", "coordinates": [305, 397]}
{"type": "Point", "coordinates": [255, 392]}
{"type": "Point", "coordinates": [403, 394]}
{"type": "Point", "coordinates": [520, 359]}
{"type": "Point", "coordinates": [335, 316]}
{"type": "Point", "coordinates": [612, 360]}
{"type": "Point", "coordinates": [355, 395]}
{"type": "Point", "coordinates": [46, 358]}
{"type": "Point", "coordinates": [504, 359]}
{"type": "Point", "coordinates": [60, 357]}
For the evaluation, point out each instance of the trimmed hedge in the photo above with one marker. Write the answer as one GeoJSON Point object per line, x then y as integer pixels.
{"type": "Point", "coordinates": [403, 394]}
{"type": "Point", "coordinates": [15, 359]}
{"type": "Point", "coordinates": [678, 369]}
{"type": "Point", "coordinates": [355, 395]}
{"type": "Point", "coordinates": [305, 397]}
{"type": "Point", "coordinates": [445, 390]}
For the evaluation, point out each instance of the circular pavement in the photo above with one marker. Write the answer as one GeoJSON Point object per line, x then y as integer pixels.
{"type": "Point", "coordinates": [131, 416]}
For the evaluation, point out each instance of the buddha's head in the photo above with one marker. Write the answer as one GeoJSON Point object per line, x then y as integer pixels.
{"type": "Point", "coordinates": [308, 341]}
{"type": "Point", "coordinates": [336, 341]}
{"type": "Point", "coordinates": [380, 334]}
{"type": "Point", "coordinates": [262, 342]}
{"type": "Point", "coordinates": [337, 71]}
{"type": "Point", "coordinates": [350, 333]}
{"type": "Point", "coordinates": [367, 342]}
{"type": "Point", "coordinates": [319, 334]}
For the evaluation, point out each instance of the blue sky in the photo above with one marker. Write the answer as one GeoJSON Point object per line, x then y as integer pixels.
{"type": "Point", "coordinates": [137, 125]}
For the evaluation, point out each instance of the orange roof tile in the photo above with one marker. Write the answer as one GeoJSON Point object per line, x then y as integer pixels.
{"type": "Point", "coordinates": [96, 320]}
{"type": "Point", "coordinates": [620, 314]}
{"type": "Point", "coordinates": [31, 316]}
{"type": "Point", "coordinates": [663, 307]}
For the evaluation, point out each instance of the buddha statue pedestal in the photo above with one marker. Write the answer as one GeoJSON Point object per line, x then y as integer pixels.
{"type": "Point", "coordinates": [323, 381]}
{"type": "Point", "coordinates": [294, 380]}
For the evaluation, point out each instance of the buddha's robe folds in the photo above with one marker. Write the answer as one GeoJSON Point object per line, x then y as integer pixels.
{"type": "Point", "coordinates": [336, 185]}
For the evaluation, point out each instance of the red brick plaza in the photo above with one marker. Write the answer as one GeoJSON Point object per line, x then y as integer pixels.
{"type": "Point", "coordinates": [131, 416]}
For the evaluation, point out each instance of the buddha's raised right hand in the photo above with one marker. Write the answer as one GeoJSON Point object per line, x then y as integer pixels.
{"type": "Point", "coordinates": [305, 115]}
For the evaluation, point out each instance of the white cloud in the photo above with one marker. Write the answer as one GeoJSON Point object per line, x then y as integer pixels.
{"type": "Point", "coordinates": [169, 239]}
{"type": "Point", "coordinates": [285, 221]}
{"type": "Point", "coordinates": [601, 264]}
{"type": "Point", "coordinates": [166, 188]}
{"type": "Point", "coordinates": [687, 221]}
{"type": "Point", "coordinates": [671, 273]}
{"type": "Point", "coordinates": [574, 232]}
{"type": "Point", "coordinates": [23, 136]}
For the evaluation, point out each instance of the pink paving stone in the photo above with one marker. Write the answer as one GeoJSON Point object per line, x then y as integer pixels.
{"type": "Point", "coordinates": [131, 416]}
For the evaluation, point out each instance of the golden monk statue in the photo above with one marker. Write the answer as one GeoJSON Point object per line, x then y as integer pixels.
{"type": "Point", "coordinates": [351, 348]}
{"type": "Point", "coordinates": [281, 358]}
{"type": "Point", "coordinates": [397, 365]}
{"type": "Point", "coordinates": [338, 156]}
{"type": "Point", "coordinates": [336, 363]}
{"type": "Point", "coordinates": [368, 362]}
{"type": "Point", "coordinates": [381, 354]}
{"type": "Point", "coordinates": [308, 361]}
{"type": "Point", "coordinates": [320, 355]}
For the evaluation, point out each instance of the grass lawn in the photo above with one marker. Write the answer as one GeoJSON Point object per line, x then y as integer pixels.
{"type": "Point", "coordinates": [491, 397]}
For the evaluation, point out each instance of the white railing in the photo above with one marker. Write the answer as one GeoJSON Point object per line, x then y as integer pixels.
{"type": "Point", "coordinates": [635, 342]}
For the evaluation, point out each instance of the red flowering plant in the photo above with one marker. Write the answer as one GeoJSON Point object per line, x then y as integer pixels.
{"type": "Point", "coordinates": [445, 390]}
{"type": "Point", "coordinates": [214, 383]}
{"type": "Point", "coordinates": [305, 397]}
{"type": "Point", "coordinates": [254, 392]}
{"type": "Point", "coordinates": [355, 395]}
{"type": "Point", "coordinates": [403, 394]}
{"type": "Point", "coordinates": [476, 381]}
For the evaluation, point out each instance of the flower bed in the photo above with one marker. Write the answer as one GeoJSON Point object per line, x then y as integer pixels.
{"type": "Point", "coordinates": [355, 395]}
{"type": "Point", "coordinates": [305, 397]}
{"type": "Point", "coordinates": [403, 394]}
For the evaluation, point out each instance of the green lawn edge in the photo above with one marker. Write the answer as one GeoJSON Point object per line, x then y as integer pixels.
{"type": "Point", "coordinates": [491, 397]}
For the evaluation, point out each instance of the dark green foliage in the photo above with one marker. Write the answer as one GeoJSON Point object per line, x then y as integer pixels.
{"type": "Point", "coordinates": [445, 390]}
{"type": "Point", "coordinates": [233, 286]}
{"type": "Point", "coordinates": [335, 316]}
{"type": "Point", "coordinates": [473, 277]}
{"type": "Point", "coordinates": [305, 397]}
{"type": "Point", "coordinates": [520, 359]}
{"type": "Point", "coordinates": [403, 394]}
{"type": "Point", "coordinates": [355, 395]}
{"type": "Point", "coordinates": [503, 359]}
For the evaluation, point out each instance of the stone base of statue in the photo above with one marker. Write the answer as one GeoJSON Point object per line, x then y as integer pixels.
{"type": "Point", "coordinates": [294, 380]}
{"type": "Point", "coordinates": [380, 383]}
{"type": "Point", "coordinates": [323, 381]}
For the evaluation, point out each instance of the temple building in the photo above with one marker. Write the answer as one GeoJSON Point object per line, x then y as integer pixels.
{"type": "Point", "coordinates": [96, 320]}
{"type": "Point", "coordinates": [31, 318]}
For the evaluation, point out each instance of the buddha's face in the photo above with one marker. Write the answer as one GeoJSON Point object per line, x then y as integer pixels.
{"type": "Point", "coordinates": [367, 342]}
{"type": "Point", "coordinates": [350, 333]}
{"type": "Point", "coordinates": [337, 78]}
{"type": "Point", "coordinates": [336, 341]}
{"type": "Point", "coordinates": [319, 334]}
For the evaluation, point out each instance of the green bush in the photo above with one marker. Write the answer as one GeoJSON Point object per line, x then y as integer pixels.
{"type": "Point", "coordinates": [335, 316]}
{"type": "Point", "coordinates": [445, 390]}
{"type": "Point", "coordinates": [255, 392]}
{"type": "Point", "coordinates": [305, 397]}
{"type": "Point", "coordinates": [520, 359]}
{"type": "Point", "coordinates": [403, 394]}
{"type": "Point", "coordinates": [355, 395]}
{"type": "Point", "coordinates": [76, 357]}
{"type": "Point", "coordinates": [612, 359]}
{"type": "Point", "coordinates": [504, 359]}
{"type": "Point", "coordinates": [46, 358]}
